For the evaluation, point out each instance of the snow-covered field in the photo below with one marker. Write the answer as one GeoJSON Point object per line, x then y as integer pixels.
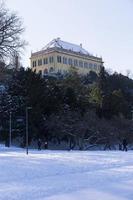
{"type": "Point", "coordinates": [64, 175]}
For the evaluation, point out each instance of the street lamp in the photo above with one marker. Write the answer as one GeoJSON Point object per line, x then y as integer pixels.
{"type": "Point", "coordinates": [132, 113]}
{"type": "Point", "coordinates": [27, 134]}
{"type": "Point", "coordinates": [10, 128]}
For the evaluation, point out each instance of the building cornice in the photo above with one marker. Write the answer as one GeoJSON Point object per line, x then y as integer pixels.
{"type": "Point", "coordinates": [67, 52]}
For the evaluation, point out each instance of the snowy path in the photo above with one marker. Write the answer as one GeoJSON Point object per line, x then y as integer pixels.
{"type": "Point", "coordinates": [62, 175]}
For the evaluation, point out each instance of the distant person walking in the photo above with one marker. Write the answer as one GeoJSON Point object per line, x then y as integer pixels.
{"type": "Point", "coordinates": [45, 145]}
{"type": "Point", "coordinates": [39, 144]}
{"type": "Point", "coordinates": [124, 143]}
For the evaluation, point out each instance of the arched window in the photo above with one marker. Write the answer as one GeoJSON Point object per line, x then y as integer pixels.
{"type": "Point", "coordinates": [51, 69]}
{"type": "Point", "coordinates": [45, 71]}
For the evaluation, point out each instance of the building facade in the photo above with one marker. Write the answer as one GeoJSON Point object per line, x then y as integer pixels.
{"type": "Point", "coordinates": [59, 56]}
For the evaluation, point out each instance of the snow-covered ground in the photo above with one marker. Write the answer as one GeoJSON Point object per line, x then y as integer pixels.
{"type": "Point", "coordinates": [64, 175]}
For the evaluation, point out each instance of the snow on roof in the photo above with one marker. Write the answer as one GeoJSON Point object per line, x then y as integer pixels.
{"type": "Point", "coordinates": [65, 45]}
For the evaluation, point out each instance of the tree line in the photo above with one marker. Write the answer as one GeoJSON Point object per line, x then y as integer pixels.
{"type": "Point", "coordinates": [78, 111]}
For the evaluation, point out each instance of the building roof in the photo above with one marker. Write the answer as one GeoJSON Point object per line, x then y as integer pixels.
{"type": "Point", "coordinates": [65, 45]}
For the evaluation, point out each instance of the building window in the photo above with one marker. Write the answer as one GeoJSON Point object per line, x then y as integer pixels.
{"type": "Point", "coordinates": [70, 62]}
{"type": "Point", "coordinates": [90, 65]}
{"type": "Point", "coordinates": [59, 71]}
{"type": "Point", "coordinates": [39, 62]}
{"type": "Point", "coordinates": [64, 60]}
{"type": "Point", "coordinates": [85, 65]}
{"type": "Point", "coordinates": [51, 59]}
{"type": "Point", "coordinates": [75, 62]}
{"type": "Point", "coordinates": [80, 63]}
{"type": "Point", "coordinates": [95, 66]}
{"type": "Point", "coordinates": [34, 63]}
{"type": "Point", "coordinates": [51, 69]}
{"type": "Point", "coordinates": [99, 67]}
{"type": "Point", "coordinates": [45, 61]}
{"type": "Point", "coordinates": [46, 71]}
{"type": "Point", "coordinates": [59, 59]}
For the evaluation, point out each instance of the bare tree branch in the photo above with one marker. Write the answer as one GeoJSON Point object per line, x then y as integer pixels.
{"type": "Point", "coordinates": [11, 29]}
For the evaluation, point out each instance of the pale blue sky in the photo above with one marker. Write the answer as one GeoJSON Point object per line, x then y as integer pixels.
{"type": "Point", "coordinates": [104, 27]}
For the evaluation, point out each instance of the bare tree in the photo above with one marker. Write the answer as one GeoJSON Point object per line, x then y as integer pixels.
{"type": "Point", "coordinates": [80, 131]}
{"type": "Point", "coordinates": [11, 29]}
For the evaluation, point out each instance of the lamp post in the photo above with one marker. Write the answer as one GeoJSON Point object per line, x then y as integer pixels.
{"type": "Point", "coordinates": [27, 133]}
{"type": "Point", "coordinates": [132, 113]}
{"type": "Point", "coordinates": [10, 128]}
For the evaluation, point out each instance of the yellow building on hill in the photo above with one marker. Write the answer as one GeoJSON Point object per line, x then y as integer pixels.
{"type": "Point", "coordinates": [58, 56]}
